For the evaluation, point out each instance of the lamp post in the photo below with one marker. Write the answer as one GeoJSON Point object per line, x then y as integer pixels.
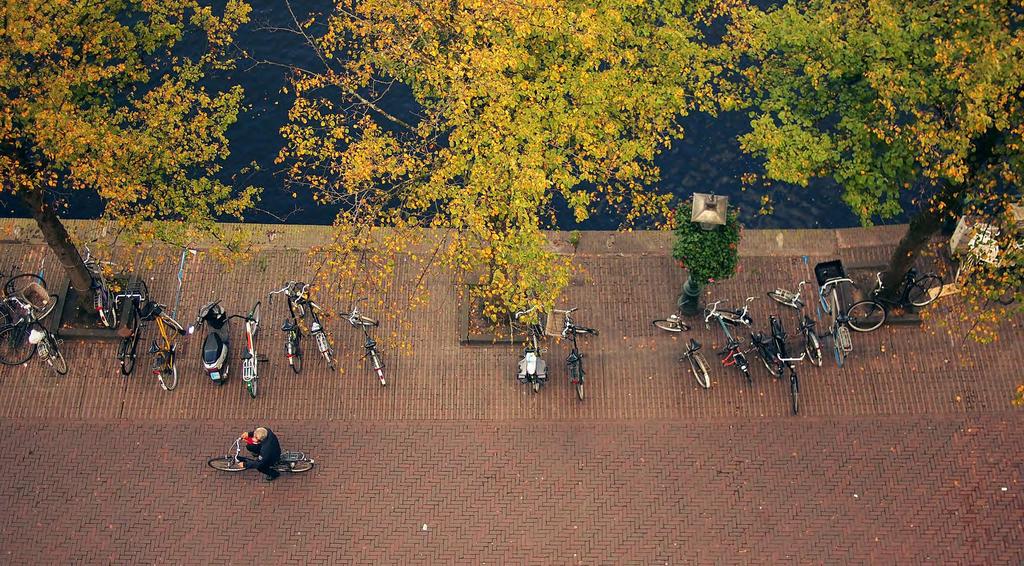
{"type": "Point", "coordinates": [710, 212]}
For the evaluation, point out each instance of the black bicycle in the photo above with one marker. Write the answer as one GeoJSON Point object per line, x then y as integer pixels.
{"type": "Point", "coordinates": [783, 358]}
{"type": "Point", "coordinates": [767, 353]}
{"type": "Point", "coordinates": [914, 291]}
{"type": "Point", "coordinates": [574, 361]}
{"type": "Point", "coordinates": [127, 350]}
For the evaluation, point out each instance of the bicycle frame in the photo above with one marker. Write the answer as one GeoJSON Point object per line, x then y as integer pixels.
{"type": "Point", "coordinates": [250, 358]}
{"type": "Point", "coordinates": [842, 344]}
{"type": "Point", "coordinates": [297, 294]}
{"type": "Point", "coordinates": [733, 355]}
{"type": "Point", "coordinates": [104, 300]}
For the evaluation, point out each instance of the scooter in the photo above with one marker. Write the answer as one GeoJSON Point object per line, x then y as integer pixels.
{"type": "Point", "coordinates": [532, 369]}
{"type": "Point", "coordinates": [215, 347]}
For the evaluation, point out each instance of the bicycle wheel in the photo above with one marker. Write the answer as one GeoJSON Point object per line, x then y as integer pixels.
{"type": "Point", "coordinates": [56, 359]}
{"type": "Point", "coordinates": [126, 351]}
{"type": "Point", "coordinates": [104, 302]}
{"type": "Point", "coordinates": [699, 367]}
{"type": "Point", "coordinates": [741, 364]}
{"type": "Point", "coordinates": [813, 347]}
{"type": "Point", "coordinates": [536, 386]}
{"type": "Point", "coordinates": [769, 362]}
{"type": "Point", "coordinates": [224, 464]}
{"type": "Point", "coordinates": [295, 360]}
{"type": "Point", "coordinates": [866, 315]}
{"type": "Point", "coordinates": [255, 315]}
{"type": "Point", "coordinates": [15, 349]}
{"type": "Point", "coordinates": [840, 353]}
{"type": "Point", "coordinates": [378, 367]}
{"type": "Point", "coordinates": [126, 355]}
{"type": "Point", "coordinates": [585, 330]}
{"type": "Point", "coordinates": [794, 391]}
{"type": "Point", "coordinates": [296, 467]}
{"type": "Point", "coordinates": [169, 374]}
{"type": "Point", "coordinates": [250, 386]}
{"type": "Point", "coordinates": [671, 325]}
{"type": "Point", "coordinates": [780, 296]}
{"type": "Point", "coordinates": [921, 294]}
{"type": "Point", "coordinates": [15, 285]}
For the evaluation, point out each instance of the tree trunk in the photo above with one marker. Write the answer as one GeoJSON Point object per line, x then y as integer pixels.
{"type": "Point", "coordinates": [57, 238]}
{"type": "Point", "coordinates": [925, 224]}
{"type": "Point", "coordinates": [928, 221]}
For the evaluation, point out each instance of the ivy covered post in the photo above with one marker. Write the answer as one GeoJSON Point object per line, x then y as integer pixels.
{"type": "Point", "coordinates": [707, 246]}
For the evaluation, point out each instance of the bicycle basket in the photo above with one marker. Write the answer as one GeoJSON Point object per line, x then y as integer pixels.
{"type": "Point", "coordinates": [829, 270]}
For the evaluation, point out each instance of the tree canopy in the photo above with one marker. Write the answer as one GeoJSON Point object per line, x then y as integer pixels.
{"type": "Point", "coordinates": [523, 106]}
{"type": "Point", "coordinates": [106, 96]}
{"type": "Point", "coordinates": [888, 97]}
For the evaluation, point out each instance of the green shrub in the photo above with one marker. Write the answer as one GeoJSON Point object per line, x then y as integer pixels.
{"type": "Point", "coordinates": [709, 255]}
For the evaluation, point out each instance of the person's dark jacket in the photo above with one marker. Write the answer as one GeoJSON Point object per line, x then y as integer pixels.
{"type": "Point", "coordinates": [268, 451]}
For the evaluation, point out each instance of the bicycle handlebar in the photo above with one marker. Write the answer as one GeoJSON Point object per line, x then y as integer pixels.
{"type": "Point", "coordinates": [781, 359]}
{"type": "Point", "coordinates": [521, 313]}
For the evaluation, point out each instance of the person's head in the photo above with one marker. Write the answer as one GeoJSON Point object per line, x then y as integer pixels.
{"type": "Point", "coordinates": [259, 434]}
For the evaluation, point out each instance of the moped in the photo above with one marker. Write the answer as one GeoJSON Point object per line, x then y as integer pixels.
{"type": "Point", "coordinates": [216, 345]}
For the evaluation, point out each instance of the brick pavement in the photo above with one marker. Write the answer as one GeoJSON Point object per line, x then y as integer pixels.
{"type": "Point", "coordinates": [623, 283]}
{"type": "Point", "coordinates": [649, 469]}
{"type": "Point", "coordinates": [883, 490]}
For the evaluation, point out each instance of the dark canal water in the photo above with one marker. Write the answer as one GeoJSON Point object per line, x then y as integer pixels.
{"type": "Point", "coordinates": [707, 160]}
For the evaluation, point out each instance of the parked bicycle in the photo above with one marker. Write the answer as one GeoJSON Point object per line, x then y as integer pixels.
{"type": "Point", "coordinates": [293, 333]}
{"type": "Point", "coordinates": [914, 291]}
{"type": "Point", "coordinates": [674, 323]}
{"type": "Point", "coordinates": [302, 300]}
{"type": "Point", "coordinates": [766, 352]}
{"type": "Point", "coordinates": [298, 294]}
{"type": "Point", "coordinates": [732, 354]}
{"type": "Point", "coordinates": [163, 349]}
{"type": "Point", "coordinates": [828, 296]}
{"type": "Point", "coordinates": [364, 323]}
{"type": "Point", "coordinates": [786, 361]}
{"type": "Point", "coordinates": [291, 462]}
{"type": "Point", "coordinates": [574, 361]}
{"type": "Point", "coordinates": [794, 300]}
{"type": "Point", "coordinates": [698, 365]}
{"type": "Point", "coordinates": [127, 350]}
{"type": "Point", "coordinates": [532, 369]}
{"type": "Point", "coordinates": [23, 334]}
{"type": "Point", "coordinates": [789, 298]}
{"type": "Point", "coordinates": [104, 297]}
{"type": "Point", "coordinates": [250, 358]}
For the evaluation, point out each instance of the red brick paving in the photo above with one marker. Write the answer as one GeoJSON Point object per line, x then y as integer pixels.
{"type": "Point", "coordinates": [884, 490]}
{"type": "Point", "coordinates": [649, 469]}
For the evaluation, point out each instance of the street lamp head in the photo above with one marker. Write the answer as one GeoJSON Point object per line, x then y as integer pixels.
{"type": "Point", "coordinates": [709, 210]}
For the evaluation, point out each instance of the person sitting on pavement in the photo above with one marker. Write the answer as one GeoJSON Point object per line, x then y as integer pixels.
{"type": "Point", "coordinates": [264, 444]}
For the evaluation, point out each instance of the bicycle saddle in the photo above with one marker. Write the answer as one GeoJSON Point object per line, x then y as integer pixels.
{"type": "Point", "coordinates": [694, 345]}
{"type": "Point", "coordinates": [288, 326]}
{"type": "Point", "coordinates": [150, 310]}
{"type": "Point", "coordinates": [370, 343]}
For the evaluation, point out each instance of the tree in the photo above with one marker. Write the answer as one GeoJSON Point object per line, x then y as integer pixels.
{"type": "Point", "coordinates": [887, 97]}
{"type": "Point", "coordinates": [104, 96]}
{"type": "Point", "coordinates": [522, 106]}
